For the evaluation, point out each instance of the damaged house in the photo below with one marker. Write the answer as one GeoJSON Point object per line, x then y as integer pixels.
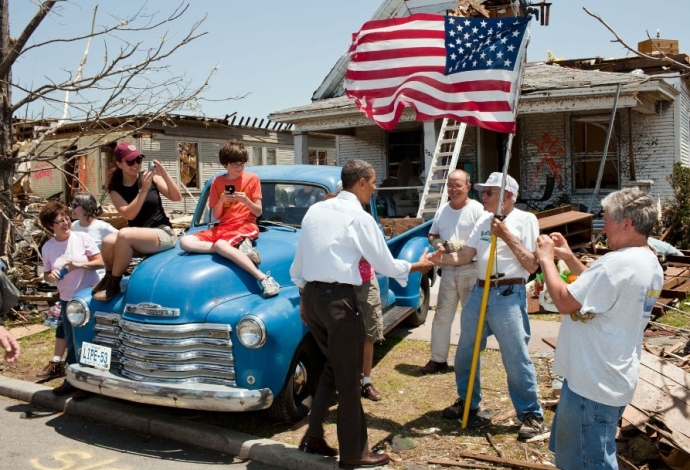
{"type": "Point", "coordinates": [562, 122]}
{"type": "Point", "coordinates": [186, 145]}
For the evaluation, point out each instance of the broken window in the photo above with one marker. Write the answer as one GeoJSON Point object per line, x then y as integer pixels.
{"type": "Point", "coordinates": [189, 163]}
{"type": "Point", "coordinates": [588, 142]}
{"type": "Point", "coordinates": [321, 157]}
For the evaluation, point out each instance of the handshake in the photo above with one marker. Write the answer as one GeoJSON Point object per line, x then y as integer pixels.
{"type": "Point", "coordinates": [448, 246]}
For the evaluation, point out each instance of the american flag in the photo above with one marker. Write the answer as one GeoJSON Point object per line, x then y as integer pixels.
{"type": "Point", "coordinates": [467, 69]}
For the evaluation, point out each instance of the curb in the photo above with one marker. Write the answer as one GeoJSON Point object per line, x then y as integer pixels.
{"type": "Point", "coordinates": [243, 446]}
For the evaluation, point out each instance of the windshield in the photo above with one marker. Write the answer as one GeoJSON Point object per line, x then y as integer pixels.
{"type": "Point", "coordinates": [282, 202]}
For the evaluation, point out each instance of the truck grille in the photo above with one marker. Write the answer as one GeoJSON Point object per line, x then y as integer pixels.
{"type": "Point", "coordinates": [179, 354]}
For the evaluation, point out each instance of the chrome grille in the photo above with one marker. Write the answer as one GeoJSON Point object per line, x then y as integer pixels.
{"type": "Point", "coordinates": [190, 353]}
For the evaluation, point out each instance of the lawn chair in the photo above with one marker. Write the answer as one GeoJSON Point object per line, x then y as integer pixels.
{"type": "Point", "coordinates": [548, 192]}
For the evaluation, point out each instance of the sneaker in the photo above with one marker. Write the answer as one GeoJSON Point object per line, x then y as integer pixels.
{"type": "Point", "coordinates": [248, 249]}
{"type": "Point", "coordinates": [531, 427]}
{"type": "Point", "coordinates": [476, 418]}
{"type": "Point", "coordinates": [269, 286]}
{"type": "Point", "coordinates": [455, 410]}
{"type": "Point", "coordinates": [433, 367]}
{"type": "Point", "coordinates": [51, 371]}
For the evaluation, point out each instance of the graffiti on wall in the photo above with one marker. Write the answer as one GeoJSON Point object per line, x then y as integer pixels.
{"type": "Point", "coordinates": [550, 150]}
{"type": "Point", "coordinates": [42, 170]}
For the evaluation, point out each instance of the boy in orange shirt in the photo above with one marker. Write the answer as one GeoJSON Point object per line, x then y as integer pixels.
{"type": "Point", "coordinates": [235, 199]}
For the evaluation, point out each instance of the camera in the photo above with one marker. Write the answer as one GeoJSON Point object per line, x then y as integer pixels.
{"type": "Point", "coordinates": [230, 188]}
{"type": "Point", "coordinates": [152, 165]}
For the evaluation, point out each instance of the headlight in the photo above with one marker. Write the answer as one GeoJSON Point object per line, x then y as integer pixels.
{"type": "Point", "coordinates": [251, 332]}
{"type": "Point", "coordinates": [78, 313]}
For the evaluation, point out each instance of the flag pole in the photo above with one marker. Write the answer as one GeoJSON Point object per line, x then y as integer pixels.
{"type": "Point", "coordinates": [492, 248]}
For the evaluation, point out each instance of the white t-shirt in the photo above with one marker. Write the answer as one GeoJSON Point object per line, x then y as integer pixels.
{"type": "Point", "coordinates": [456, 224]}
{"type": "Point", "coordinates": [600, 359]}
{"type": "Point", "coordinates": [523, 225]}
{"type": "Point", "coordinates": [78, 247]}
{"type": "Point", "coordinates": [98, 229]}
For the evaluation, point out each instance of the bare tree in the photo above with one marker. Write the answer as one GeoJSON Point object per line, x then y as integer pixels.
{"type": "Point", "coordinates": [133, 79]}
{"type": "Point", "coordinates": [659, 55]}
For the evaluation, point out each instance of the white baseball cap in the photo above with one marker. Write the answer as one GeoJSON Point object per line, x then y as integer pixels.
{"type": "Point", "coordinates": [496, 179]}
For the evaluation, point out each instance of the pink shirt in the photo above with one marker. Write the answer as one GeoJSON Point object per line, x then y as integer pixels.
{"type": "Point", "coordinates": [366, 271]}
{"type": "Point", "coordinates": [78, 247]}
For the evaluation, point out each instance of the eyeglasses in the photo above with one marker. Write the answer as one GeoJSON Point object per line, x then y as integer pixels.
{"type": "Point", "coordinates": [137, 160]}
{"type": "Point", "coordinates": [74, 205]}
{"type": "Point", "coordinates": [238, 164]}
{"type": "Point", "coordinates": [61, 221]}
{"type": "Point", "coordinates": [490, 192]}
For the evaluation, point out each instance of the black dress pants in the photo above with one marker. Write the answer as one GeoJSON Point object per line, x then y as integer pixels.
{"type": "Point", "coordinates": [331, 313]}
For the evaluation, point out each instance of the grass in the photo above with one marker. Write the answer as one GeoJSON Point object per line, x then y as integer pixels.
{"type": "Point", "coordinates": [410, 411]}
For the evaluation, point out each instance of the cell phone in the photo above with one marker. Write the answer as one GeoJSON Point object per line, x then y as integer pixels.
{"type": "Point", "coordinates": [230, 188]}
{"type": "Point", "coordinates": [152, 165]}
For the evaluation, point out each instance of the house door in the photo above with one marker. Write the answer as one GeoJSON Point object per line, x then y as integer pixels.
{"type": "Point", "coordinates": [491, 154]}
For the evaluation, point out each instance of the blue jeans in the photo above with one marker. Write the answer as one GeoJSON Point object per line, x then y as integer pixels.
{"type": "Point", "coordinates": [583, 435]}
{"type": "Point", "coordinates": [507, 319]}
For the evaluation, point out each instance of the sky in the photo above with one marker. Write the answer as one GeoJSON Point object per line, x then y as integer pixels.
{"type": "Point", "coordinates": [275, 53]}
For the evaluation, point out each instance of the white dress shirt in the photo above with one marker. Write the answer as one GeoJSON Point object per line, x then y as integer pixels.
{"type": "Point", "coordinates": [336, 234]}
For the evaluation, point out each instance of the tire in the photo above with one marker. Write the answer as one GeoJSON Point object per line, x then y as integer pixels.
{"type": "Point", "coordinates": [418, 317]}
{"type": "Point", "coordinates": [294, 400]}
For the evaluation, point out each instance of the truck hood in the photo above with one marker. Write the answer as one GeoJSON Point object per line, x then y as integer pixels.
{"type": "Point", "coordinates": [196, 283]}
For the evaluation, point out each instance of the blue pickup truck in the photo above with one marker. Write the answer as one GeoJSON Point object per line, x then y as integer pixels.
{"type": "Point", "coordinates": [193, 331]}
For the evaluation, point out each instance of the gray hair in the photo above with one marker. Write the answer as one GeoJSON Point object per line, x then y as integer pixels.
{"type": "Point", "coordinates": [355, 170]}
{"type": "Point", "coordinates": [88, 203]}
{"type": "Point", "coordinates": [633, 203]}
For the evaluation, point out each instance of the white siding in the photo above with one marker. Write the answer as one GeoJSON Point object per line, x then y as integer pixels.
{"type": "Point", "coordinates": [286, 156]}
{"type": "Point", "coordinates": [654, 148]}
{"type": "Point", "coordinates": [368, 144]}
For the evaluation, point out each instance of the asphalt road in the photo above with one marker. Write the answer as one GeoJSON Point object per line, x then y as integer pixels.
{"type": "Point", "coordinates": [41, 439]}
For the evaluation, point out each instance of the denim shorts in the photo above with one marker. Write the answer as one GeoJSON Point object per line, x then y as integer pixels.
{"type": "Point", "coordinates": [583, 435]}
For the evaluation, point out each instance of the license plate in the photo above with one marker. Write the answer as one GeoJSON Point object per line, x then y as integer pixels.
{"type": "Point", "coordinates": [95, 355]}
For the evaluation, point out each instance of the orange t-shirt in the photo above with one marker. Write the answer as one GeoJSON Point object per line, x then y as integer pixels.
{"type": "Point", "coordinates": [236, 212]}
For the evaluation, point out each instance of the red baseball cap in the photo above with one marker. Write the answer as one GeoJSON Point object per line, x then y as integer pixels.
{"type": "Point", "coordinates": [126, 151]}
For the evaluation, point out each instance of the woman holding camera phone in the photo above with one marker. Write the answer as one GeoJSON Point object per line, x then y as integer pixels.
{"type": "Point", "coordinates": [235, 199]}
{"type": "Point", "coordinates": [136, 196]}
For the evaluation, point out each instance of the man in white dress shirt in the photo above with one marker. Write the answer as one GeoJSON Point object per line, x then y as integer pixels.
{"type": "Point", "coordinates": [336, 234]}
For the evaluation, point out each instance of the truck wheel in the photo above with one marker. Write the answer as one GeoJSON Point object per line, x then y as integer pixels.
{"type": "Point", "coordinates": [418, 317]}
{"type": "Point", "coordinates": [294, 401]}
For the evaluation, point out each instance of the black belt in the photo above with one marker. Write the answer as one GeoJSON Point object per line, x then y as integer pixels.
{"type": "Point", "coordinates": [501, 282]}
{"type": "Point", "coordinates": [329, 284]}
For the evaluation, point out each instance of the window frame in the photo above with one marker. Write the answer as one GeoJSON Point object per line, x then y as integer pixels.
{"type": "Point", "coordinates": [593, 157]}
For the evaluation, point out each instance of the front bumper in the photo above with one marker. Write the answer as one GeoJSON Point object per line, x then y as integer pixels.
{"type": "Point", "coordinates": [193, 396]}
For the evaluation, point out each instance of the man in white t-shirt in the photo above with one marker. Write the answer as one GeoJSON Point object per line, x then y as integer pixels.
{"type": "Point", "coordinates": [506, 311]}
{"type": "Point", "coordinates": [599, 343]}
{"type": "Point", "coordinates": [449, 232]}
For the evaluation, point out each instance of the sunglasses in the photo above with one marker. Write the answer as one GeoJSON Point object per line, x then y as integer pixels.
{"type": "Point", "coordinates": [491, 192]}
{"type": "Point", "coordinates": [74, 205]}
{"type": "Point", "coordinates": [137, 160]}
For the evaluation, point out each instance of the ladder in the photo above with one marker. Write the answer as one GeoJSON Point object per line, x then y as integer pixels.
{"type": "Point", "coordinates": [444, 161]}
{"type": "Point", "coordinates": [79, 175]}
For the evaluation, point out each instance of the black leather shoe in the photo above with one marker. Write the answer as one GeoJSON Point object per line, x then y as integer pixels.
{"type": "Point", "coordinates": [369, 460]}
{"type": "Point", "coordinates": [432, 367]}
{"type": "Point", "coordinates": [64, 389]}
{"type": "Point", "coordinates": [317, 445]}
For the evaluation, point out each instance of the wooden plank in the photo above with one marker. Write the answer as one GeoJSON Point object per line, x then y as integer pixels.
{"type": "Point", "coordinates": [498, 460]}
{"type": "Point", "coordinates": [562, 219]}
